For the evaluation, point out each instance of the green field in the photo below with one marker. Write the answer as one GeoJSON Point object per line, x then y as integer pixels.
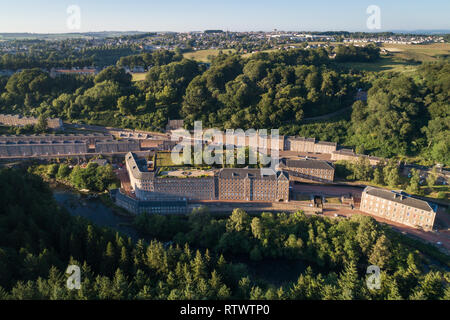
{"type": "Point", "coordinates": [164, 159]}
{"type": "Point", "coordinates": [246, 55]}
{"type": "Point", "coordinates": [425, 52]}
{"type": "Point", "coordinates": [205, 55]}
{"type": "Point", "coordinates": [404, 57]}
{"type": "Point", "coordinates": [138, 76]}
{"type": "Point", "coordinates": [386, 63]}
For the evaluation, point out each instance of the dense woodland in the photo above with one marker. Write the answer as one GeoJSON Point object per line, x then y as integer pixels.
{"type": "Point", "coordinates": [67, 55]}
{"type": "Point", "coordinates": [405, 114]}
{"type": "Point", "coordinates": [92, 177]}
{"type": "Point", "coordinates": [38, 240]}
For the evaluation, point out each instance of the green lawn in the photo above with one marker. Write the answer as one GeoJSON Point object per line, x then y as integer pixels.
{"type": "Point", "coordinates": [386, 63]}
{"type": "Point", "coordinates": [425, 52]}
{"type": "Point", "coordinates": [163, 159]}
{"type": "Point", "coordinates": [335, 200]}
{"type": "Point", "coordinates": [138, 76]}
{"type": "Point", "coordinates": [205, 55]}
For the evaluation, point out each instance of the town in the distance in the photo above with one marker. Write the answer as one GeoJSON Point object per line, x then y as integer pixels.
{"type": "Point", "coordinates": [92, 125]}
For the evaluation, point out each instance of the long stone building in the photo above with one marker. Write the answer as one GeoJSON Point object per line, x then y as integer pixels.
{"type": "Point", "coordinates": [225, 184]}
{"type": "Point", "coordinates": [398, 207]}
{"type": "Point", "coordinates": [42, 148]}
{"type": "Point", "coordinates": [307, 170]}
{"type": "Point", "coordinates": [154, 206]}
{"type": "Point", "coordinates": [91, 138]}
{"type": "Point", "coordinates": [148, 186]}
{"type": "Point", "coordinates": [252, 185]}
{"type": "Point", "coordinates": [301, 144]}
{"type": "Point", "coordinates": [63, 145]}
{"type": "Point", "coordinates": [117, 146]}
{"type": "Point", "coordinates": [20, 121]}
{"type": "Point", "coordinates": [281, 143]}
{"type": "Point", "coordinates": [349, 155]}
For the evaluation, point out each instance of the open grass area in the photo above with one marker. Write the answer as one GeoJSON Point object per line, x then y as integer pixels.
{"type": "Point", "coordinates": [425, 52]}
{"type": "Point", "coordinates": [138, 76]}
{"type": "Point", "coordinates": [335, 200]}
{"type": "Point", "coordinates": [441, 192]}
{"type": "Point", "coordinates": [386, 63]}
{"type": "Point", "coordinates": [164, 159]}
{"type": "Point", "coordinates": [246, 55]}
{"type": "Point", "coordinates": [205, 55]}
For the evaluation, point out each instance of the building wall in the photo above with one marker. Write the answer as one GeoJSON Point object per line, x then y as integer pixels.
{"type": "Point", "coordinates": [91, 138]}
{"type": "Point", "coordinates": [148, 185]}
{"type": "Point", "coordinates": [300, 144]}
{"type": "Point", "coordinates": [251, 189]}
{"type": "Point", "coordinates": [350, 156]}
{"type": "Point", "coordinates": [190, 188]}
{"type": "Point", "coordinates": [306, 174]}
{"type": "Point", "coordinates": [15, 120]}
{"type": "Point", "coordinates": [254, 141]}
{"type": "Point", "coordinates": [117, 146]}
{"type": "Point", "coordinates": [325, 147]}
{"type": "Point", "coordinates": [397, 212]}
{"type": "Point", "coordinates": [141, 186]}
{"type": "Point", "coordinates": [154, 207]}
{"type": "Point", "coordinates": [24, 150]}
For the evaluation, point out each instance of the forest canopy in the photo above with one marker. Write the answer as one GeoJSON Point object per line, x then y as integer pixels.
{"type": "Point", "coordinates": [39, 239]}
{"type": "Point", "coordinates": [406, 114]}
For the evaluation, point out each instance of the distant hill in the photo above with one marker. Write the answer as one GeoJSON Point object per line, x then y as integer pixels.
{"type": "Point", "coordinates": [432, 31]}
{"type": "Point", "coordinates": [60, 36]}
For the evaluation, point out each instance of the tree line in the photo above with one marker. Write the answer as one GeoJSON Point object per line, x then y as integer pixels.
{"type": "Point", "coordinates": [38, 239]}
{"type": "Point", "coordinates": [91, 177]}
{"type": "Point", "coordinates": [404, 115]}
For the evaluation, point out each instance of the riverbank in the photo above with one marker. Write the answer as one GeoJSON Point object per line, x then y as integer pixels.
{"type": "Point", "coordinates": [95, 210]}
{"type": "Point", "coordinates": [56, 184]}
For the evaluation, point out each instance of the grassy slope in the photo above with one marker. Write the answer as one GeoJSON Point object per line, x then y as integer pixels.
{"type": "Point", "coordinates": [138, 76]}
{"type": "Point", "coordinates": [401, 53]}
{"type": "Point", "coordinates": [203, 55]}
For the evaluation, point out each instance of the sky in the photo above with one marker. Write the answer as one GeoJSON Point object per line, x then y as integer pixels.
{"type": "Point", "coordinates": [50, 16]}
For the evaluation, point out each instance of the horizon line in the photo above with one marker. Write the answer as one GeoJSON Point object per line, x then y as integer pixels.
{"type": "Point", "coordinates": [225, 30]}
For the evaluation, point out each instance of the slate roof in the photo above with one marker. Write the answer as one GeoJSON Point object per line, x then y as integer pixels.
{"type": "Point", "coordinates": [307, 163]}
{"type": "Point", "coordinates": [398, 197]}
{"type": "Point", "coordinates": [243, 173]}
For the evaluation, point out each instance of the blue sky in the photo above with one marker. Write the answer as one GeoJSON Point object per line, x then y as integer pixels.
{"type": "Point", "coordinates": [41, 16]}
